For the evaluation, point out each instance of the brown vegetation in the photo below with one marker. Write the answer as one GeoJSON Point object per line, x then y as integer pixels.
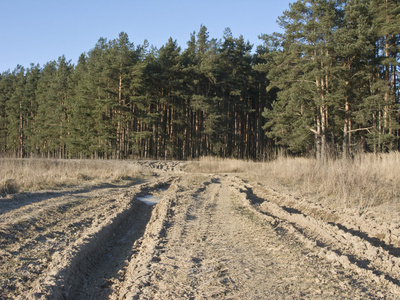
{"type": "Point", "coordinates": [19, 175]}
{"type": "Point", "coordinates": [367, 180]}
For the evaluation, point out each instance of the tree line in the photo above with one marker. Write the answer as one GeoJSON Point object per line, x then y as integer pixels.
{"type": "Point", "coordinates": [328, 85]}
{"type": "Point", "coordinates": [337, 70]}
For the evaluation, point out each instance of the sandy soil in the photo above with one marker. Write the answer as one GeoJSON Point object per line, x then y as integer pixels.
{"type": "Point", "coordinates": [210, 236]}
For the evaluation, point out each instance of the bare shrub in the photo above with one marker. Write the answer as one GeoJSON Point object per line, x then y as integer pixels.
{"type": "Point", "coordinates": [8, 187]}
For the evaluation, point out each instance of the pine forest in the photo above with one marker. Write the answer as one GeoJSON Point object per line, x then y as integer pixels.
{"type": "Point", "coordinates": [327, 86]}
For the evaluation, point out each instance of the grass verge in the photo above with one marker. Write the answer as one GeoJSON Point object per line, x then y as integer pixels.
{"type": "Point", "coordinates": [365, 181]}
{"type": "Point", "coordinates": [19, 175]}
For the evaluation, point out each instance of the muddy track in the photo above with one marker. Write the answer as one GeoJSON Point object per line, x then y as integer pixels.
{"type": "Point", "coordinates": [210, 236]}
{"type": "Point", "coordinates": [324, 233]}
{"type": "Point", "coordinates": [45, 243]}
{"type": "Point", "coordinates": [208, 241]}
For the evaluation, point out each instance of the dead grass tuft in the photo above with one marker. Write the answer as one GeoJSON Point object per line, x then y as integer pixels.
{"type": "Point", "coordinates": [8, 187]}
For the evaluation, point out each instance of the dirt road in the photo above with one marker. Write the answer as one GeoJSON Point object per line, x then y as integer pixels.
{"type": "Point", "coordinates": [210, 236]}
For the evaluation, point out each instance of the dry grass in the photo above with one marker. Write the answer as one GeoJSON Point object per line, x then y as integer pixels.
{"type": "Point", "coordinates": [368, 180]}
{"type": "Point", "coordinates": [36, 174]}
{"type": "Point", "coordinates": [208, 164]}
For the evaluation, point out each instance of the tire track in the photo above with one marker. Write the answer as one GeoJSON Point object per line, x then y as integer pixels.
{"type": "Point", "coordinates": [211, 236]}
{"type": "Point", "coordinates": [93, 271]}
{"type": "Point", "coordinates": [41, 247]}
{"type": "Point", "coordinates": [207, 241]}
{"type": "Point", "coordinates": [328, 239]}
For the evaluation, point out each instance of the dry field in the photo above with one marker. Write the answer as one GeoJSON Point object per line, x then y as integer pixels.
{"type": "Point", "coordinates": [225, 229]}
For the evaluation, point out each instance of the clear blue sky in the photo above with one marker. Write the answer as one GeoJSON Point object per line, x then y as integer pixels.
{"type": "Point", "coordinates": [38, 31]}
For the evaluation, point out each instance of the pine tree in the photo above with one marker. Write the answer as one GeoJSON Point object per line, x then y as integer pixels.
{"type": "Point", "coordinates": [54, 88]}
{"type": "Point", "coordinates": [303, 70]}
{"type": "Point", "coordinates": [6, 90]}
{"type": "Point", "coordinates": [353, 49]}
{"type": "Point", "coordinates": [121, 57]}
{"type": "Point", "coordinates": [17, 108]}
{"type": "Point", "coordinates": [170, 99]}
{"type": "Point", "coordinates": [203, 99]}
{"type": "Point", "coordinates": [82, 140]}
{"type": "Point", "coordinates": [235, 84]}
{"type": "Point", "coordinates": [262, 146]}
{"type": "Point", "coordinates": [148, 107]}
{"type": "Point", "coordinates": [384, 79]}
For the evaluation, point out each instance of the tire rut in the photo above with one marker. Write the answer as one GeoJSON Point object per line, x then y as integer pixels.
{"type": "Point", "coordinates": [91, 274]}
{"type": "Point", "coordinates": [43, 243]}
{"type": "Point", "coordinates": [210, 236]}
{"type": "Point", "coordinates": [207, 241]}
{"type": "Point", "coordinates": [329, 240]}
